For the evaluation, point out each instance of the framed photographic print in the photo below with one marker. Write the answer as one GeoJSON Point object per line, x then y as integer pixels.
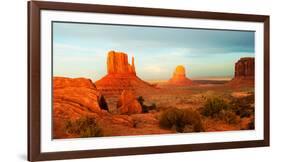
{"type": "Point", "coordinates": [115, 80]}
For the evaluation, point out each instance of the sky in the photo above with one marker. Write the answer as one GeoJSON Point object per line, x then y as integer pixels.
{"type": "Point", "coordinates": [80, 50]}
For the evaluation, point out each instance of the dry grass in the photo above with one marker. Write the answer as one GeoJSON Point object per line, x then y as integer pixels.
{"type": "Point", "coordinates": [213, 107]}
{"type": "Point", "coordinates": [182, 121]}
{"type": "Point", "coordinates": [84, 127]}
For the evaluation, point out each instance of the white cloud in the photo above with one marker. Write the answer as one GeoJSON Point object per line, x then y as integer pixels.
{"type": "Point", "coordinates": [153, 69]}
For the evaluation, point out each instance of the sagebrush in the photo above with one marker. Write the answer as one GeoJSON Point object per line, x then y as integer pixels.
{"type": "Point", "coordinates": [84, 127]}
{"type": "Point", "coordinates": [182, 120]}
{"type": "Point", "coordinates": [220, 109]}
{"type": "Point", "coordinates": [213, 107]}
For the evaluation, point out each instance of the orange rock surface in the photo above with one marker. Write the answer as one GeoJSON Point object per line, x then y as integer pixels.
{"type": "Point", "coordinates": [244, 74]}
{"type": "Point", "coordinates": [121, 76]}
{"type": "Point", "coordinates": [245, 67]}
{"type": "Point", "coordinates": [128, 103]}
{"type": "Point", "coordinates": [77, 98]}
{"type": "Point", "coordinates": [62, 82]}
{"type": "Point", "coordinates": [179, 77]}
{"type": "Point", "coordinates": [117, 63]}
{"type": "Point", "coordinates": [72, 99]}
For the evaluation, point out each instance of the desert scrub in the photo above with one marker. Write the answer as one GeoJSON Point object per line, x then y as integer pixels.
{"type": "Point", "coordinates": [228, 116]}
{"type": "Point", "coordinates": [84, 127]}
{"type": "Point", "coordinates": [213, 107]}
{"type": "Point", "coordinates": [182, 121]}
{"type": "Point", "coordinates": [244, 107]}
{"type": "Point", "coordinates": [220, 109]}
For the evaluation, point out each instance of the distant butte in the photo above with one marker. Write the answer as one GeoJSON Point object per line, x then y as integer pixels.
{"type": "Point", "coordinates": [120, 76]}
{"type": "Point", "coordinates": [244, 72]}
{"type": "Point", "coordinates": [179, 77]}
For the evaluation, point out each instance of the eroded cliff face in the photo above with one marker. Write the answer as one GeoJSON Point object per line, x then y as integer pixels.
{"type": "Point", "coordinates": [179, 77]}
{"type": "Point", "coordinates": [117, 63]}
{"type": "Point", "coordinates": [244, 74]}
{"type": "Point", "coordinates": [245, 67]}
{"type": "Point", "coordinates": [120, 76]}
{"type": "Point", "coordinates": [73, 99]}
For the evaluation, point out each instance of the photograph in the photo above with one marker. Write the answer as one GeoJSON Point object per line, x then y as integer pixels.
{"type": "Point", "coordinates": [129, 80]}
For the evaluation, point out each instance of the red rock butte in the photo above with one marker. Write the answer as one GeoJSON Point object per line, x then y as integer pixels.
{"type": "Point", "coordinates": [179, 77]}
{"type": "Point", "coordinates": [120, 76]}
{"type": "Point", "coordinates": [244, 72]}
{"type": "Point", "coordinates": [117, 63]}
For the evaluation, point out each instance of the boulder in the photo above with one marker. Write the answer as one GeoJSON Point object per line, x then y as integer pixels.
{"type": "Point", "coordinates": [73, 99]}
{"type": "Point", "coordinates": [128, 104]}
{"type": "Point", "coordinates": [80, 91]}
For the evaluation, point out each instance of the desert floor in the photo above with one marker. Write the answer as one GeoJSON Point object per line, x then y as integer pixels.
{"type": "Point", "coordinates": [181, 97]}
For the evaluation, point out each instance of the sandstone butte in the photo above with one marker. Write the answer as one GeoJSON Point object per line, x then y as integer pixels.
{"type": "Point", "coordinates": [244, 74]}
{"type": "Point", "coordinates": [117, 63]}
{"type": "Point", "coordinates": [72, 99]}
{"type": "Point", "coordinates": [128, 104]}
{"type": "Point", "coordinates": [179, 77]}
{"type": "Point", "coordinates": [120, 76]}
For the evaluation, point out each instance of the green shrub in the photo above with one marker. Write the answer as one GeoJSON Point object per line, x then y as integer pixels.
{"type": "Point", "coordinates": [182, 121]}
{"type": "Point", "coordinates": [213, 106]}
{"type": "Point", "coordinates": [171, 117]}
{"type": "Point", "coordinates": [84, 127]}
{"type": "Point", "coordinates": [192, 121]}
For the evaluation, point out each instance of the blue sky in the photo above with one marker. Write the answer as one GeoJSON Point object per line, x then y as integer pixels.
{"type": "Point", "coordinates": [80, 50]}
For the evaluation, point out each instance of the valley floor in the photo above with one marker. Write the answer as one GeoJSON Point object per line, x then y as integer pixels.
{"type": "Point", "coordinates": [175, 97]}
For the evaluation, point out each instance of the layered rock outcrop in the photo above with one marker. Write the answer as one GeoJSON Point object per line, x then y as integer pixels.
{"type": "Point", "coordinates": [128, 104]}
{"type": "Point", "coordinates": [179, 77]}
{"type": "Point", "coordinates": [72, 99]}
{"type": "Point", "coordinates": [80, 93]}
{"type": "Point", "coordinates": [75, 99]}
{"type": "Point", "coordinates": [120, 76]}
{"type": "Point", "coordinates": [244, 74]}
{"type": "Point", "coordinates": [63, 82]}
{"type": "Point", "coordinates": [245, 67]}
{"type": "Point", "coordinates": [117, 63]}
